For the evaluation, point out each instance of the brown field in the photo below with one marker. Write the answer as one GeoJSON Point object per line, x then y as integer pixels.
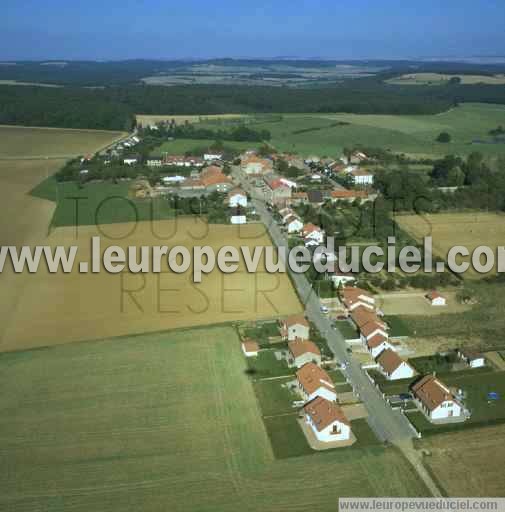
{"type": "Point", "coordinates": [24, 142]}
{"type": "Point", "coordinates": [415, 303]}
{"type": "Point", "coordinates": [468, 463]}
{"type": "Point", "coordinates": [449, 229]}
{"type": "Point", "coordinates": [439, 78]}
{"type": "Point", "coordinates": [146, 119]}
{"type": "Point", "coordinates": [51, 309]}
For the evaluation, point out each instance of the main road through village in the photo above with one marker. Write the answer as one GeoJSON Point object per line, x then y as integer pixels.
{"type": "Point", "coordinates": [388, 424]}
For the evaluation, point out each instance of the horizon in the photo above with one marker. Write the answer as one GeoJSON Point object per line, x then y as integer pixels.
{"type": "Point", "coordinates": [156, 30]}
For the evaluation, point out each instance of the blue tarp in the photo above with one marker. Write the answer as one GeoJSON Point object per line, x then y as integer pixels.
{"type": "Point", "coordinates": [493, 396]}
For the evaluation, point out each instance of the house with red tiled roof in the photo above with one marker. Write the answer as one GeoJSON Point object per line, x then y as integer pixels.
{"type": "Point", "coordinates": [295, 327]}
{"type": "Point", "coordinates": [277, 192]}
{"type": "Point", "coordinates": [348, 195]}
{"type": "Point", "coordinates": [214, 179]}
{"type": "Point", "coordinates": [393, 366]}
{"type": "Point", "coordinates": [327, 420]}
{"type": "Point", "coordinates": [313, 381]}
{"type": "Point", "coordinates": [250, 348]}
{"type": "Point", "coordinates": [436, 400]}
{"type": "Point", "coordinates": [236, 197]}
{"type": "Point", "coordinates": [312, 232]}
{"type": "Point", "coordinates": [293, 224]}
{"type": "Point", "coordinates": [353, 298]}
{"type": "Point", "coordinates": [301, 352]}
{"type": "Point", "coordinates": [253, 165]}
{"type": "Point", "coordinates": [436, 299]}
{"type": "Point", "coordinates": [377, 343]}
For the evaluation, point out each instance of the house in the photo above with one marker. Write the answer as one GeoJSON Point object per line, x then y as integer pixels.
{"type": "Point", "coordinates": [299, 198]}
{"type": "Point", "coordinates": [295, 327]}
{"type": "Point", "coordinates": [131, 160]}
{"type": "Point", "coordinates": [311, 243]}
{"type": "Point", "coordinates": [293, 224]}
{"type": "Point", "coordinates": [312, 232]}
{"type": "Point", "coordinates": [212, 157]}
{"type": "Point", "coordinates": [250, 348]}
{"type": "Point", "coordinates": [316, 197]}
{"type": "Point", "coordinates": [277, 192]}
{"type": "Point", "coordinates": [154, 162]}
{"type": "Point", "coordinates": [168, 180]}
{"type": "Point", "coordinates": [237, 197]}
{"type": "Point", "coordinates": [377, 344]}
{"type": "Point", "coordinates": [289, 183]}
{"type": "Point", "coordinates": [327, 420]}
{"type": "Point", "coordinates": [361, 177]}
{"type": "Point", "coordinates": [344, 194]}
{"type": "Point", "coordinates": [393, 366]}
{"type": "Point", "coordinates": [301, 352]}
{"type": "Point", "coordinates": [313, 382]}
{"type": "Point", "coordinates": [435, 399]}
{"type": "Point", "coordinates": [472, 359]}
{"type": "Point", "coordinates": [353, 298]}
{"type": "Point", "coordinates": [253, 165]}
{"type": "Point", "coordinates": [238, 219]}
{"type": "Point", "coordinates": [357, 157]}
{"type": "Point", "coordinates": [436, 299]}
{"type": "Point", "coordinates": [341, 278]}
{"type": "Point", "coordinates": [213, 179]}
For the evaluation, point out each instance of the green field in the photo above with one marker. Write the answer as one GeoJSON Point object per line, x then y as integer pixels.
{"type": "Point", "coordinates": [405, 134]}
{"type": "Point", "coordinates": [166, 421]}
{"type": "Point", "coordinates": [98, 203]}
{"type": "Point", "coordinates": [182, 146]}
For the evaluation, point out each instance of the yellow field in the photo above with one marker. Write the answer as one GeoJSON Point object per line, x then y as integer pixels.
{"type": "Point", "coordinates": [449, 229]}
{"type": "Point", "coordinates": [468, 463]}
{"type": "Point", "coordinates": [25, 142]}
{"type": "Point", "coordinates": [146, 119]}
{"type": "Point", "coordinates": [57, 308]}
{"type": "Point", "coordinates": [439, 78]}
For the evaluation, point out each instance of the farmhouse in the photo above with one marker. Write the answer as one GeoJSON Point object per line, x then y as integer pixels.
{"type": "Point", "coordinates": [250, 348]}
{"type": "Point", "coordinates": [361, 177]}
{"type": "Point", "coordinates": [303, 352]}
{"type": "Point", "coordinates": [353, 298]}
{"type": "Point", "coordinates": [313, 232]}
{"type": "Point", "coordinates": [255, 166]}
{"type": "Point", "coordinates": [435, 400]}
{"type": "Point", "coordinates": [293, 224]}
{"type": "Point", "coordinates": [327, 420]}
{"type": "Point", "coordinates": [237, 197]}
{"type": "Point", "coordinates": [472, 359]}
{"type": "Point", "coordinates": [213, 179]}
{"type": "Point", "coordinates": [436, 299]}
{"type": "Point", "coordinates": [299, 198]}
{"type": "Point", "coordinates": [295, 327]}
{"type": "Point", "coordinates": [393, 366]}
{"type": "Point", "coordinates": [277, 192]}
{"type": "Point", "coordinates": [313, 382]}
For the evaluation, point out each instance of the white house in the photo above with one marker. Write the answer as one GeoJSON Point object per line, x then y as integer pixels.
{"type": "Point", "coordinates": [301, 352]}
{"type": "Point", "coordinates": [211, 157]}
{"type": "Point", "coordinates": [436, 299]}
{"type": "Point", "coordinates": [361, 177]}
{"type": "Point", "coordinates": [341, 278]}
{"type": "Point", "coordinates": [312, 232]}
{"type": "Point", "coordinates": [293, 224]}
{"type": "Point", "coordinates": [313, 381]}
{"type": "Point", "coordinates": [435, 399]}
{"type": "Point", "coordinates": [250, 348]}
{"type": "Point", "coordinates": [295, 327]}
{"type": "Point", "coordinates": [311, 243]}
{"type": "Point", "coordinates": [327, 420]}
{"type": "Point", "coordinates": [237, 197]}
{"type": "Point", "coordinates": [353, 298]}
{"type": "Point", "coordinates": [238, 219]}
{"type": "Point", "coordinates": [173, 179]}
{"type": "Point", "coordinates": [377, 344]}
{"type": "Point", "coordinates": [393, 366]}
{"type": "Point", "coordinates": [289, 183]}
{"type": "Point", "coordinates": [472, 359]}
{"type": "Point", "coordinates": [130, 161]}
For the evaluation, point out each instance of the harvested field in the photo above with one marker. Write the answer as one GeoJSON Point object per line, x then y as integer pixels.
{"type": "Point", "coordinates": [162, 422]}
{"type": "Point", "coordinates": [23, 142]}
{"type": "Point", "coordinates": [146, 119]}
{"type": "Point", "coordinates": [468, 463]}
{"type": "Point", "coordinates": [440, 79]}
{"type": "Point", "coordinates": [74, 307]}
{"type": "Point", "coordinates": [450, 229]}
{"type": "Point", "coordinates": [415, 303]}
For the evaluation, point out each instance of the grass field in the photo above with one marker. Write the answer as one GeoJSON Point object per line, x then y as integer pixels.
{"type": "Point", "coordinates": [441, 79]}
{"type": "Point", "coordinates": [70, 307]}
{"type": "Point", "coordinates": [413, 135]}
{"type": "Point", "coordinates": [146, 119]}
{"type": "Point", "coordinates": [450, 229]}
{"type": "Point", "coordinates": [467, 463]}
{"type": "Point", "coordinates": [18, 141]}
{"type": "Point", "coordinates": [181, 146]}
{"type": "Point", "coordinates": [162, 422]}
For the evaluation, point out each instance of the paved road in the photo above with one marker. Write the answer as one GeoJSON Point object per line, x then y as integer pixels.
{"type": "Point", "coordinates": [387, 424]}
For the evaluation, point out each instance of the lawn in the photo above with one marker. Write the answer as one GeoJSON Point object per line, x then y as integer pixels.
{"type": "Point", "coordinates": [399, 328]}
{"type": "Point", "coordinates": [182, 146]}
{"type": "Point", "coordinates": [266, 365]}
{"type": "Point", "coordinates": [167, 421]}
{"type": "Point", "coordinates": [405, 134]}
{"type": "Point", "coordinates": [347, 330]}
{"type": "Point", "coordinates": [274, 398]}
{"type": "Point", "coordinates": [18, 141]}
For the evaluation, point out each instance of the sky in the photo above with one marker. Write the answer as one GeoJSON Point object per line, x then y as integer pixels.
{"type": "Point", "coordinates": [165, 29]}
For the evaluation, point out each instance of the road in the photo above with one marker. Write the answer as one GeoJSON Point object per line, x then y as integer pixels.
{"type": "Point", "coordinates": [389, 425]}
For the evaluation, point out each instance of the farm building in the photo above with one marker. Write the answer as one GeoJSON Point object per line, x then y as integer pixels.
{"type": "Point", "coordinates": [436, 299]}
{"type": "Point", "coordinates": [295, 327]}
{"type": "Point", "coordinates": [313, 382]}
{"type": "Point", "coordinates": [472, 359]}
{"type": "Point", "coordinates": [361, 177]}
{"type": "Point", "coordinates": [250, 348]}
{"type": "Point", "coordinates": [301, 352]}
{"type": "Point", "coordinates": [393, 366]}
{"type": "Point", "coordinates": [435, 399]}
{"type": "Point", "coordinates": [327, 420]}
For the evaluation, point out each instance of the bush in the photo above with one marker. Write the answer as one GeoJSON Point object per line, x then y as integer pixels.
{"type": "Point", "coordinates": [444, 138]}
